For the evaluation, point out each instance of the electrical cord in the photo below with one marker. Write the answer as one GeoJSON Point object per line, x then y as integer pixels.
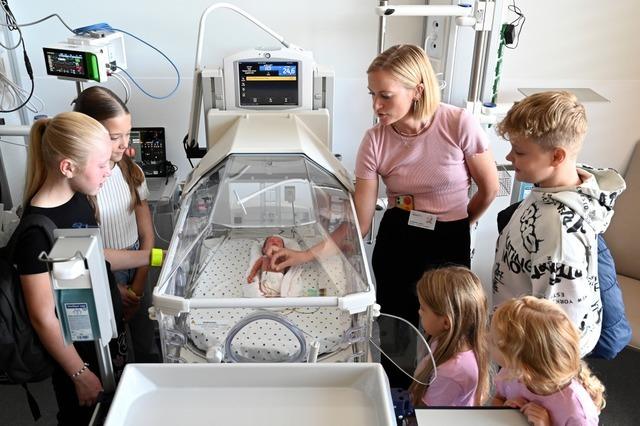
{"type": "Point", "coordinates": [517, 23]}
{"type": "Point", "coordinates": [13, 143]}
{"type": "Point", "coordinates": [125, 84]}
{"type": "Point", "coordinates": [103, 26]}
{"type": "Point", "coordinates": [186, 149]}
{"type": "Point", "coordinates": [11, 93]}
{"type": "Point", "coordinates": [13, 26]}
{"type": "Point", "coordinates": [42, 20]}
{"type": "Point", "coordinates": [498, 70]}
{"type": "Point", "coordinates": [164, 56]}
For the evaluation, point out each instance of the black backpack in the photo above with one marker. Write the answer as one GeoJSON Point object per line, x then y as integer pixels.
{"type": "Point", "coordinates": [23, 359]}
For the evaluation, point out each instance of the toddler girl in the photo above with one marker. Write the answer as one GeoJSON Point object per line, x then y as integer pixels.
{"type": "Point", "coordinates": [539, 349]}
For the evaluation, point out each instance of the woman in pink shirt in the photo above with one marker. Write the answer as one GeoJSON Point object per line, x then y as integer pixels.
{"type": "Point", "coordinates": [538, 348]}
{"type": "Point", "coordinates": [427, 153]}
{"type": "Point", "coordinates": [453, 311]}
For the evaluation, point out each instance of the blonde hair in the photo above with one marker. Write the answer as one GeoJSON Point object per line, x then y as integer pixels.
{"type": "Point", "coordinates": [69, 135]}
{"type": "Point", "coordinates": [541, 346]}
{"type": "Point", "coordinates": [410, 66]}
{"type": "Point", "coordinates": [456, 293]}
{"type": "Point", "coordinates": [550, 119]}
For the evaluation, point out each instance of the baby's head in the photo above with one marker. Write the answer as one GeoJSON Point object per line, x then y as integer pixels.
{"type": "Point", "coordinates": [273, 240]}
{"type": "Point", "coordinates": [536, 339]}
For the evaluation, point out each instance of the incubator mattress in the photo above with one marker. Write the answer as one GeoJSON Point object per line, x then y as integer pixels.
{"type": "Point", "coordinates": [265, 341]}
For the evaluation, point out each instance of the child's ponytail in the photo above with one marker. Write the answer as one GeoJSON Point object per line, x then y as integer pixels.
{"type": "Point", "coordinates": [36, 167]}
{"type": "Point", "coordinates": [593, 386]}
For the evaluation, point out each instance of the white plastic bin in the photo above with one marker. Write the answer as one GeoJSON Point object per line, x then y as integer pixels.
{"type": "Point", "coordinates": [252, 394]}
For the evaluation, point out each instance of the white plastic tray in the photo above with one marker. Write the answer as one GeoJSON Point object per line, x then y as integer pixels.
{"type": "Point", "coordinates": [471, 416]}
{"type": "Point", "coordinates": [252, 394]}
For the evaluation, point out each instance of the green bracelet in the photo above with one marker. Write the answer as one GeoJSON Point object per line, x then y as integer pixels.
{"type": "Point", "coordinates": [155, 257]}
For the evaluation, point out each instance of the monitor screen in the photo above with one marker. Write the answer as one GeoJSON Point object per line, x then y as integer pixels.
{"type": "Point", "coordinates": [149, 147]}
{"type": "Point", "coordinates": [263, 83]}
{"type": "Point", "coordinates": [66, 63]}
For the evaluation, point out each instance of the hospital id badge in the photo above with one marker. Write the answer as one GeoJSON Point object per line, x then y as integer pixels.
{"type": "Point", "coordinates": [422, 219]}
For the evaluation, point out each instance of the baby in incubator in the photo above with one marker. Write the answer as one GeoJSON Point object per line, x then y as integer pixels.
{"type": "Point", "coordinates": [269, 280]}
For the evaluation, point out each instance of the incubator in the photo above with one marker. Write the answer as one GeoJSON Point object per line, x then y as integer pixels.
{"type": "Point", "coordinates": [207, 308]}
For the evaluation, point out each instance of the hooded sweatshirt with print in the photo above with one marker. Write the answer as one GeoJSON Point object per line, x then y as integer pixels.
{"type": "Point", "coordinates": [549, 248]}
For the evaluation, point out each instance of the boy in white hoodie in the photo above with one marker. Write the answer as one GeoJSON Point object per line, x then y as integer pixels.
{"type": "Point", "coordinates": [549, 247]}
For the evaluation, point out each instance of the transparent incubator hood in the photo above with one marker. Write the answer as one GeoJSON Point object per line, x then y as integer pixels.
{"type": "Point", "coordinates": [219, 298]}
{"type": "Point", "coordinates": [245, 204]}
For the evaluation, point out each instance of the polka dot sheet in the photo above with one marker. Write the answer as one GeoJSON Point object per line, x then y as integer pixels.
{"type": "Point", "coordinates": [264, 340]}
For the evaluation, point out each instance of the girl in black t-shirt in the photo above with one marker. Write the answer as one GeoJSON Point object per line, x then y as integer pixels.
{"type": "Point", "coordinates": [68, 159]}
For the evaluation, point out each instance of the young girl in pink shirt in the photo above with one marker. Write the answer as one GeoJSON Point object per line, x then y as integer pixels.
{"type": "Point", "coordinates": [538, 348]}
{"type": "Point", "coordinates": [453, 311]}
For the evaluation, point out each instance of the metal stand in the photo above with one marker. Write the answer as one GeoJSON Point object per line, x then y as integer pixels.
{"type": "Point", "coordinates": [105, 365]}
{"type": "Point", "coordinates": [81, 268]}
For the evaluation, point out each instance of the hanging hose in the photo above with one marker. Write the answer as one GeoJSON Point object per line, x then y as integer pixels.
{"type": "Point", "coordinates": [231, 356]}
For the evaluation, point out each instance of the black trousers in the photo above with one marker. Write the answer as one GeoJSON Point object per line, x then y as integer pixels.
{"type": "Point", "coordinates": [401, 256]}
{"type": "Point", "coordinates": [70, 413]}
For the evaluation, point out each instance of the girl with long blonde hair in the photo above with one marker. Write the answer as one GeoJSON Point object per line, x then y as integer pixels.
{"type": "Point", "coordinates": [453, 312]}
{"type": "Point", "coordinates": [538, 348]}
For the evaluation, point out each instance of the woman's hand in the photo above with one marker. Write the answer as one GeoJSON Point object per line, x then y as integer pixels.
{"type": "Point", "coordinates": [282, 257]}
{"type": "Point", "coordinates": [88, 388]}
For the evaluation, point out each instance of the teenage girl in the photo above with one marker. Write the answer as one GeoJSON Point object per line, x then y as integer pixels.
{"type": "Point", "coordinates": [68, 160]}
{"type": "Point", "coordinates": [125, 218]}
{"type": "Point", "coordinates": [453, 312]}
{"type": "Point", "coordinates": [538, 348]}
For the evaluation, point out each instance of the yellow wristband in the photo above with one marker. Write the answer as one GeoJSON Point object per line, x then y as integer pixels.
{"type": "Point", "coordinates": [155, 258]}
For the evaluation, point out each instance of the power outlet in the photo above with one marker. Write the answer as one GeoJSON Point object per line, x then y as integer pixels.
{"type": "Point", "coordinates": [435, 37]}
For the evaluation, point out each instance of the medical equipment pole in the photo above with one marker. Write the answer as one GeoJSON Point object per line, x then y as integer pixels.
{"type": "Point", "coordinates": [383, 27]}
{"type": "Point", "coordinates": [79, 87]}
{"type": "Point", "coordinates": [484, 16]}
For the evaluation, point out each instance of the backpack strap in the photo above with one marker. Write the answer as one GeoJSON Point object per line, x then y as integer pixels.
{"type": "Point", "coordinates": [28, 222]}
{"type": "Point", "coordinates": [33, 404]}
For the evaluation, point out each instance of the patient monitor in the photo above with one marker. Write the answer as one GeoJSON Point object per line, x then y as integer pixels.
{"type": "Point", "coordinates": [264, 80]}
{"type": "Point", "coordinates": [269, 79]}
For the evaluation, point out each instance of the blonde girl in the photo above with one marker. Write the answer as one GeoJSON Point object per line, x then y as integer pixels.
{"type": "Point", "coordinates": [453, 312]}
{"type": "Point", "coordinates": [539, 349]}
{"type": "Point", "coordinates": [68, 160]}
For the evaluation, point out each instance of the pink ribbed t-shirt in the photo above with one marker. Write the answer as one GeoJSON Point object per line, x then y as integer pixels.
{"type": "Point", "coordinates": [430, 166]}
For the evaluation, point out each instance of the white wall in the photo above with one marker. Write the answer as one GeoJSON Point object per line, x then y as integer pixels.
{"type": "Point", "coordinates": [342, 34]}
{"type": "Point", "coordinates": [567, 43]}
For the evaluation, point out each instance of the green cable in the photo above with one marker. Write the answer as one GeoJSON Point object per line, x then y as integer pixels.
{"type": "Point", "coordinates": [496, 80]}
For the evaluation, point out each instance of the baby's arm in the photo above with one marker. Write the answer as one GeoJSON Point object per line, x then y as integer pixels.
{"type": "Point", "coordinates": [255, 269]}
